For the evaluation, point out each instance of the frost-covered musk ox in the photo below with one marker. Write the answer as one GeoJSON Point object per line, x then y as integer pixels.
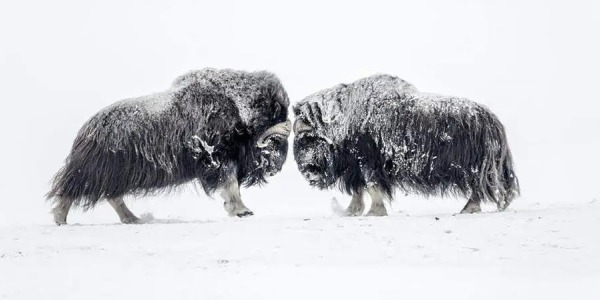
{"type": "Point", "coordinates": [222, 128]}
{"type": "Point", "coordinates": [379, 133]}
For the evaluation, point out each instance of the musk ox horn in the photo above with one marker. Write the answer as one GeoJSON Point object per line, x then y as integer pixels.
{"type": "Point", "coordinates": [282, 129]}
{"type": "Point", "coordinates": [300, 126]}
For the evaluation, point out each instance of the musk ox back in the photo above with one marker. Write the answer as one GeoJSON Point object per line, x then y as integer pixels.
{"type": "Point", "coordinates": [379, 133]}
{"type": "Point", "coordinates": [219, 127]}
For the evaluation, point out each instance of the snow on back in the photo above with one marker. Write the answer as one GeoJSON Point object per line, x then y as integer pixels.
{"type": "Point", "coordinates": [124, 118]}
{"type": "Point", "coordinates": [153, 104]}
{"type": "Point", "coordinates": [244, 88]}
{"type": "Point", "coordinates": [334, 111]}
{"type": "Point", "coordinates": [368, 103]}
{"type": "Point", "coordinates": [432, 103]}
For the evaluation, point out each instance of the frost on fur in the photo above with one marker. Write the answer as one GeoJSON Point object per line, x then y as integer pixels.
{"type": "Point", "coordinates": [211, 126]}
{"type": "Point", "coordinates": [381, 131]}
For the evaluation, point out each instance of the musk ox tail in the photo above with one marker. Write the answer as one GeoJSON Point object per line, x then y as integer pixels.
{"type": "Point", "coordinates": [70, 185]}
{"type": "Point", "coordinates": [61, 182]}
{"type": "Point", "coordinates": [498, 181]}
{"type": "Point", "coordinates": [81, 181]}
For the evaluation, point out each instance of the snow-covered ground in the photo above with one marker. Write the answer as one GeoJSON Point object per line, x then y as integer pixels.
{"type": "Point", "coordinates": [531, 251]}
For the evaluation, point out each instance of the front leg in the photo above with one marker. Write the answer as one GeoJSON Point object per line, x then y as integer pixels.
{"type": "Point", "coordinates": [377, 201]}
{"type": "Point", "coordinates": [473, 206]}
{"type": "Point", "coordinates": [125, 215]}
{"type": "Point", "coordinates": [357, 205]}
{"type": "Point", "coordinates": [233, 201]}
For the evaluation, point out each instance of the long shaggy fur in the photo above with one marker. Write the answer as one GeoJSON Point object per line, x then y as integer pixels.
{"type": "Point", "coordinates": [381, 130]}
{"type": "Point", "coordinates": [204, 127]}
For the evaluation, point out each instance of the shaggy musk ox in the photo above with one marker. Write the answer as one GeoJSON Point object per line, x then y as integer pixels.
{"type": "Point", "coordinates": [379, 133]}
{"type": "Point", "coordinates": [222, 128]}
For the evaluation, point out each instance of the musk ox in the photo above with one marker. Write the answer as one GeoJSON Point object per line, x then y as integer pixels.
{"type": "Point", "coordinates": [222, 128]}
{"type": "Point", "coordinates": [379, 133]}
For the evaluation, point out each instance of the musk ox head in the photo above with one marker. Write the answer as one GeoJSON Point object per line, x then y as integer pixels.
{"type": "Point", "coordinates": [272, 146]}
{"type": "Point", "coordinates": [314, 150]}
{"type": "Point", "coordinates": [315, 158]}
{"type": "Point", "coordinates": [318, 134]}
{"type": "Point", "coordinates": [270, 140]}
{"type": "Point", "coordinates": [262, 105]}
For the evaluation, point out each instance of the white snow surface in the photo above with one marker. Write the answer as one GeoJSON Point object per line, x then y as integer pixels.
{"type": "Point", "coordinates": [532, 251]}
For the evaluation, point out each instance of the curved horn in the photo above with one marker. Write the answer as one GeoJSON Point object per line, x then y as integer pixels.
{"type": "Point", "coordinates": [282, 129]}
{"type": "Point", "coordinates": [300, 126]}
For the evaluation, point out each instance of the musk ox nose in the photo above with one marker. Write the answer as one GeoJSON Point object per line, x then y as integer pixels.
{"type": "Point", "coordinates": [311, 173]}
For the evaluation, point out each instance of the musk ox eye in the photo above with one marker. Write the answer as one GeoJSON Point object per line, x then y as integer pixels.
{"type": "Point", "coordinates": [312, 168]}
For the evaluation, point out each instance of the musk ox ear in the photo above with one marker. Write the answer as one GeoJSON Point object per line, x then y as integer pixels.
{"type": "Point", "coordinates": [301, 126]}
{"type": "Point", "coordinates": [282, 129]}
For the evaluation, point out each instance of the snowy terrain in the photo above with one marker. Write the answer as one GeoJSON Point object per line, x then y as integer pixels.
{"type": "Point", "coordinates": [532, 251]}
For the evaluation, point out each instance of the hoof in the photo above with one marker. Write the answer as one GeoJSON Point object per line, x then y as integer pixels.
{"type": "Point", "coordinates": [237, 209]}
{"type": "Point", "coordinates": [354, 211]}
{"type": "Point", "coordinates": [471, 210]}
{"type": "Point", "coordinates": [503, 205]}
{"type": "Point", "coordinates": [131, 220]}
{"type": "Point", "coordinates": [473, 206]}
{"type": "Point", "coordinates": [59, 216]}
{"type": "Point", "coordinates": [244, 214]}
{"type": "Point", "coordinates": [377, 212]}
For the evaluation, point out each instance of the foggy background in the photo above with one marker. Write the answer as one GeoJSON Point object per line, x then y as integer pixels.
{"type": "Point", "coordinates": [533, 63]}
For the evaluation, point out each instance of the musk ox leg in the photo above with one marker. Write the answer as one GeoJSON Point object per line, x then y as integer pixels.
{"type": "Point", "coordinates": [506, 200]}
{"type": "Point", "coordinates": [124, 213]}
{"type": "Point", "coordinates": [377, 199]}
{"type": "Point", "coordinates": [357, 205]}
{"type": "Point", "coordinates": [233, 200]}
{"type": "Point", "coordinates": [473, 206]}
{"type": "Point", "coordinates": [60, 211]}
{"type": "Point", "coordinates": [503, 205]}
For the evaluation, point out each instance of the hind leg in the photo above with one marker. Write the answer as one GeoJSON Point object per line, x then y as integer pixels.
{"type": "Point", "coordinates": [377, 201]}
{"type": "Point", "coordinates": [124, 213]}
{"type": "Point", "coordinates": [506, 201]}
{"type": "Point", "coordinates": [357, 205]}
{"type": "Point", "coordinates": [473, 206]}
{"type": "Point", "coordinates": [503, 205]}
{"type": "Point", "coordinates": [60, 211]}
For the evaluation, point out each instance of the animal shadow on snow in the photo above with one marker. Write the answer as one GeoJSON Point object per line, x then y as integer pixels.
{"type": "Point", "coordinates": [148, 218]}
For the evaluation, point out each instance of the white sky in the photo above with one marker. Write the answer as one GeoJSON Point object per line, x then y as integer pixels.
{"type": "Point", "coordinates": [534, 63]}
